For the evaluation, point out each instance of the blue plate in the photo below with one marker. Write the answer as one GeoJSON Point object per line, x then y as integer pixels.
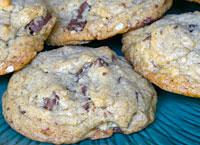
{"type": "Point", "coordinates": [177, 117]}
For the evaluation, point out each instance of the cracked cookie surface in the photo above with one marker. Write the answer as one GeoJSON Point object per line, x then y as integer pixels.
{"type": "Point", "coordinates": [168, 53]}
{"type": "Point", "coordinates": [80, 21]}
{"type": "Point", "coordinates": [74, 93]}
{"type": "Point", "coordinates": [24, 25]}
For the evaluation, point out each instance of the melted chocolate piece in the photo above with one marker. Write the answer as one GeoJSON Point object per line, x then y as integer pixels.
{"type": "Point", "coordinates": [78, 24]}
{"type": "Point", "coordinates": [100, 62]}
{"type": "Point", "coordinates": [192, 27]}
{"type": "Point", "coordinates": [84, 89]}
{"type": "Point", "coordinates": [147, 38]}
{"type": "Point", "coordinates": [118, 130]}
{"type": "Point", "coordinates": [86, 107]}
{"type": "Point", "coordinates": [36, 25]}
{"type": "Point", "coordinates": [50, 103]}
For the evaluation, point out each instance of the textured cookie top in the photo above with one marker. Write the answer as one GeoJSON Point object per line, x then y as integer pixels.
{"type": "Point", "coordinates": [24, 25]}
{"type": "Point", "coordinates": [73, 93]}
{"type": "Point", "coordinates": [83, 20]}
{"type": "Point", "coordinates": [168, 52]}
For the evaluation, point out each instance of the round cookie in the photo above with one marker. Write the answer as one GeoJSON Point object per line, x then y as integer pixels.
{"type": "Point", "coordinates": [167, 52]}
{"type": "Point", "coordinates": [24, 25]}
{"type": "Point", "coordinates": [74, 93]}
{"type": "Point", "coordinates": [80, 21]}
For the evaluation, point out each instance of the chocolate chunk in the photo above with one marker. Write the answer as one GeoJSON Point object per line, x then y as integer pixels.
{"type": "Point", "coordinates": [114, 58]}
{"type": "Point", "coordinates": [105, 115]}
{"type": "Point", "coordinates": [192, 27]}
{"type": "Point", "coordinates": [100, 62]}
{"type": "Point", "coordinates": [117, 129]}
{"type": "Point", "coordinates": [84, 89]}
{"type": "Point", "coordinates": [147, 38]}
{"type": "Point", "coordinates": [136, 93]}
{"type": "Point", "coordinates": [104, 73]}
{"type": "Point", "coordinates": [103, 107]}
{"type": "Point", "coordinates": [46, 131]}
{"type": "Point", "coordinates": [50, 103]}
{"type": "Point", "coordinates": [82, 8]}
{"type": "Point", "coordinates": [175, 27]}
{"type": "Point", "coordinates": [147, 20]}
{"type": "Point", "coordinates": [56, 96]}
{"type": "Point", "coordinates": [86, 107]}
{"type": "Point", "coordinates": [23, 112]}
{"type": "Point", "coordinates": [78, 24]}
{"type": "Point", "coordinates": [119, 79]}
{"type": "Point", "coordinates": [8, 108]}
{"type": "Point", "coordinates": [36, 25]}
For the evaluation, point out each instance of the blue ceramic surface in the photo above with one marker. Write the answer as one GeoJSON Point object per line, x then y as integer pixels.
{"type": "Point", "coordinates": [177, 117]}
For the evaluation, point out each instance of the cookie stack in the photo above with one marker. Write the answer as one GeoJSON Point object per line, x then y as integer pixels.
{"type": "Point", "coordinates": [73, 93]}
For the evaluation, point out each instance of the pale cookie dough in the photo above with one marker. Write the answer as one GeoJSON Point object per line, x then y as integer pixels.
{"type": "Point", "coordinates": [80, 21]}
{"type": "Point", "coordinates": [24, 25]}
{"type": "Point", "coordinates": [74, 93]}
{"type": "Point", "coordinates": [168, 53]}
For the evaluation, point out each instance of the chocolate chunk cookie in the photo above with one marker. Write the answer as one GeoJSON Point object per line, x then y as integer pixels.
{"type": "Point", "coordinates": [168, 53]}
{"type": "Point", "coordinates": [80, 21]}
{"type": "Point", "coordinates": [24, 25]}
{"type": "Point", "coordinates": [74, 93]}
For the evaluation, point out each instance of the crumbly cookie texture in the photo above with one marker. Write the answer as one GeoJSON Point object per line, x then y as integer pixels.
{"type": "Point", "coordinates": [168, 53]}
{"type": "Point", "coordinates": [80, 21]}
{"type": "Point", "coordinates": [74, 93]}
{"type": "Point", "coordinates": [24, 25]}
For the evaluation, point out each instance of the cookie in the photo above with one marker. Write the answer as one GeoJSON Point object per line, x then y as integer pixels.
{"type": "Point", "coordinates": [80, 21]}
{"type": "Point", "coordinates": [24, 25]}
{"type": "Point", "coordinates": [74, 93]}
{"type": "Point", "coordinates": [168, 53]}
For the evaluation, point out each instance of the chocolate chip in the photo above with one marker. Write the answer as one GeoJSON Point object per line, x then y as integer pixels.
{"type": "Point", "coordinates": [192, 27]}
{"type": "Point", "coordinates": [78, 24]}
{"type": "Point", "coordinates": [105, 115]}
{"type": "Point", "coordinates": [100, 62]}
{"type": "Point", "coordinates": [156, 6]}
{"type": "Point", "coordinates": [147, 38]}
{"type": "Point", "coordinates": [147, 20]}
{"type": "Point", "coordinates": [45, 131]}
{"type": "Point", "coordinates": [82, 8]}
{"type": "Point", "coordinates": [114, 58]}
{"type": "Point", "coordinates": [118, 130]}
{"type": "Point", "coordinates": [8, 108]}
{"type": "Point", "coordinates": [23, 112]}
{"type": "Point", "coordinates": [36, 25]}
{"type": "Point", "coordinates": [136, 93]}
{"type": "Point", "coordinates": [103, 107]}
{"type": "Point", "coordinates": [175, 27]}
{"type": "Point", "coordinates": [154, 65]}
{"type": "Point", "coordinates": [86, 107]}
{"type": "Point", "coordinates": [104, 73]}
{"type": "Point", "coordinates": [119, 79]}
{"type": "Point", "coordinates": [50, 103]}
{"type": "Point", "coordinates": [56, 96]}
{"type": "Point", "coordinates": [84, 89]}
